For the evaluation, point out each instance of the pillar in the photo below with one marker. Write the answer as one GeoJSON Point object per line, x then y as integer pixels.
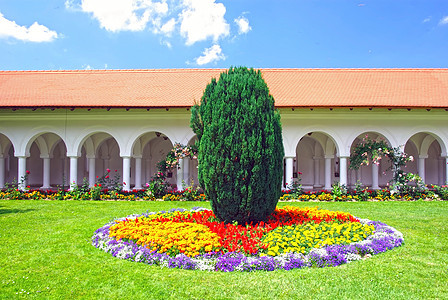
{"type": "Point", "coordinates": [46, 172]}
{"type": "Point", "coordinates": [73, 172]}
{"type": "Point", "coordinates": [328, 171]}
{"type": "Point", "coordinates": [375, 169]}
{"type": "Point", "coordinates": [446, 170]}
{"type": "Point", "coordinates": [147, 169]}
{"type": "Point", "coordinates": [288, 171]}
{"type": "Point", "coordinates": [316, 171]}
{"type": "Point", "coordinates": [105, 159]}
{"type": "Point", "coordinates": [126, 173]}
{"type": "Point", "coordinates": [180, 174]}
{"type": "Point", "coordinates": [2, 172]}
{"type": "Point", "coordinates": [186, 172]}
{"type": "Point", "coordinates": [21, 172]}
{"type": "Point", "coordinates": [92, 174]}
{"type": "Point", "coordinates": [421, 166]}
{"type": "Point", "coordinates": [138, 172]}
{"type": "Point", "coordinates": [343, 170]}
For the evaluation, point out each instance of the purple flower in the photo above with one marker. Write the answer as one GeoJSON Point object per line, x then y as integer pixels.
{"type": "Point", "coordinates": [383, 239]}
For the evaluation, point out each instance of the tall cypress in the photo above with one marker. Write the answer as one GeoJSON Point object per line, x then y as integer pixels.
{"type": "Point", "coordinates": [240, 146]}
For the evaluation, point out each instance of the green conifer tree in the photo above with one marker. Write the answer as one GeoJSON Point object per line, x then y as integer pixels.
{"type": "Point", "coordinates": [240, 146]}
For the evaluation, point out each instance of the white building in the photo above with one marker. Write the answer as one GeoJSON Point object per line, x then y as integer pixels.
{"type": "Point", "coordinates": [77, 124]}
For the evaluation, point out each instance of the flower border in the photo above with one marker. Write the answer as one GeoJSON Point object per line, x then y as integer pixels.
{"type": "Point", "coordinates": [384, 238]}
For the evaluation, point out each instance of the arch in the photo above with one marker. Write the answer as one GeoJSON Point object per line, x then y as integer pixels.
{"type": "Point", "coordinates": [78, 138]}
{"type": "Point", "coordinates": [154, 151]}
{"type": "Point", "coordinates": [143, 139]}
{"type": "Point", "coordinates": [8, 162]}
{"type": "Point", "coordinates": [328, 142]}
{"type": "Point", "coordinates": [28, 138]}
{"type": "Point", "coordinates": [45, 170]}
{"type": "Point", "coordinates": [430, 161]}
{"type": "Point", "coordinates": [142, 132]}
{"type": "Point", "coordinates": [373, 176]}
{"type": "Point", "coordinates": [5, 144]}
{"type": "Point", "coordinates": [316, 159]}
{"type": "Point", "coordinates": [292, 135]}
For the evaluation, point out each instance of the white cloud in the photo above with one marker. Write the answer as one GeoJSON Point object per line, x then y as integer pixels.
{"type": "Point", "coordinates": [35, 33]}
{"type": "Point", "coordinates": [212, 54]}
{"type": "Point", "coordinates": [168, 27]}
{"type": "Point", "coordinates": [444, 21]}
{"type": "Point", "coordinates": [194, 20]}
{"type": "Point", "coordinates": [427, 20]}
{"type": "Point", "coordinates": [243, 25]}
{"type": "Point", "coordinates": [120, 15]}
{"type": "Point", "coordinates": [202, 19]}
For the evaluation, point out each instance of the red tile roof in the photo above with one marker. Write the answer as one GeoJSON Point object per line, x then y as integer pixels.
{"type": "Point", "coordinates": [390, 88]}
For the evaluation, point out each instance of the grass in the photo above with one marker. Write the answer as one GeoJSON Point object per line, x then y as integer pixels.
{"type": "Point", "coordinates": [45, 251]}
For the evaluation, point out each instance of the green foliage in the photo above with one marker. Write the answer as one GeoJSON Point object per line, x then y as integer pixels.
{"type": "Point", "coordinates": [338, 191]}
{"type": "Point", "coordinates": [240, 146]}
{"type": "Point", "coordinates": [362, 193]}
{"type": "Point", "coordinates": [371, 151]}
{"type": "Point", "coordinates": [158, 186]}
{"type": "Point", "coordinates": [441, 191]}
{"type": "Point", "coordinates": [408, 183]}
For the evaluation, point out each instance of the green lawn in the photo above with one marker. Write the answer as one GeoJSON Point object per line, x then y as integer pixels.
{"type": "Point", "coordinates": [45, 251]}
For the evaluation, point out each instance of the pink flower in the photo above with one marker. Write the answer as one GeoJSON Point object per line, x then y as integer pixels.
{"type": "Point", "coordinates": [28, 172]}
{"type": "Point", "coordinates": [107, 176]}
{"type": "Point", "coordinates": [108, 170]}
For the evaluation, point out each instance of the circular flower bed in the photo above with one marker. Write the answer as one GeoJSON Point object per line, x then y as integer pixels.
{"type": "Point", "coordinates": [291, 238]}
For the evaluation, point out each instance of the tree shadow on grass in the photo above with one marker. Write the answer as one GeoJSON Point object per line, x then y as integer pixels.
{"type": "Point", "coordinates": [4, 211]}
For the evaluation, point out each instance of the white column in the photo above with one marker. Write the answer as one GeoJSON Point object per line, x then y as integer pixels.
{"type": "Point", "coordinates": [186, 172]}
{"type": "Point", "coordinates": [440, 170]}
{"type": "Point", "coordinates": [343, 170]}
{"type": "Point", "coordinates": [375, 169]}
{"type": "Point", "coordinates": [148, 170]}
{"type": "Point", "coordinates": [421, 166]}
{"type": "Point", "coordinates": [105, 162]}
{"type": "Point", "coordinates": [180, 173]}
{"type": "Point", "coordinates": [288, 170]}
{"type": "Point", "coordinates": [446, 170]}
{"type": "Point", "coordinates": [126, 173]}
{"type": "Point", "coordinates": [2, 172]}
{"type": "Point", "coordinates": [73, 172]}
{"type": "Point", "coordinates": [138, 173]}
{"type": "Point", "coordinates": [328, 171]}
{"type": "Point", "coordinates": [21, 172]}
{"type": "Point", "coordinates": [92, 174]}
{"type": "Point", "coordinates": [46, 172]}
{"type": "Point", "coordinates": [317, 171]}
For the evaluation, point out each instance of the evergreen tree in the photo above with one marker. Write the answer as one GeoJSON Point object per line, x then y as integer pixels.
{"type": "Point", "coordinates": [240, 146]}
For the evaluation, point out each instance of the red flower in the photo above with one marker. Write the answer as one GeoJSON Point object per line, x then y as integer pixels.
{"type": "Point", "coordinates": [27, 172]}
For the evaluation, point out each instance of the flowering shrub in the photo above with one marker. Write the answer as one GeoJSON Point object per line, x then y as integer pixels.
{"type": "Point", "coordinates": [157, 187]}
{"type": "Point", "coordinates": [196, 240]}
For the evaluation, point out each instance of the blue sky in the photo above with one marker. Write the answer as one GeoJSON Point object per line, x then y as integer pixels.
{"type": "Point", "coordinates": [148, 34]}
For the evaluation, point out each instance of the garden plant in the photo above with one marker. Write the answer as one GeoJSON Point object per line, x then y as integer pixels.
{"type": "Point", "coordinates": [240, 146]}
